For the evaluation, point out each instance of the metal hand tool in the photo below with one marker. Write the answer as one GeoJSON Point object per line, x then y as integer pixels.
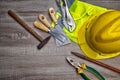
{"type": "Point", "coordinates": [79, 68]}
{"type": "Point", "coordinates": [96, 62]}
{"type": "Point", "coordinates": [55, 32]}
{"type": "Point", "coordinates": [29, 29]}
{"type": "Point", "coordinates": [69, 18]}
{"type": "Point", "coordinates": [66, 16]}
{"type": "Point", "coordinates": [58, 28]}
{"type": "Point", "coordinates": [41, 26]}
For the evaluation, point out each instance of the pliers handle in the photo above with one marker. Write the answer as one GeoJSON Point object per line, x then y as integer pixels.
{"type": "Point", "coordinates": [83, 75]}
{"type": "Point", "coordinates": [79, 68]}
{"type": "Point", "coordinates": [93, 71]}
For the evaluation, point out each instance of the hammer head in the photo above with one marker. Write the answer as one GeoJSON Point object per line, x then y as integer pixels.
{"type": "Point", "coordinates": [43, 42]}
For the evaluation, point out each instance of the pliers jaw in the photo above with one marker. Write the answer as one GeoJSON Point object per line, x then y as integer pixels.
{"type": "Point", "coordinates": [73, 62]}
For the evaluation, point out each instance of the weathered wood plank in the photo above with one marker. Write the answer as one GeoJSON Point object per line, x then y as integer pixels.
{"type": "Point", "coordinates": [19, 57]}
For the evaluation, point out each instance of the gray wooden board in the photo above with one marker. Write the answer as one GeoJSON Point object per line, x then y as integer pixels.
{"type": "Point", "coordinates": [19, 57]}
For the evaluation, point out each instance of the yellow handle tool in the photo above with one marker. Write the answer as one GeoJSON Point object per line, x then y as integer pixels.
{"type": "Point", "coordinates": [41, 26]}
{"type": "Point", "coordinates": [44, 20]}
{"type": "Point", "coordinates": [52, 14]}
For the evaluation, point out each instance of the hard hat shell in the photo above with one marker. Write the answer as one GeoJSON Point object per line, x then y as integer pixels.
{"type": "Point", "coordinates": [99, 37]}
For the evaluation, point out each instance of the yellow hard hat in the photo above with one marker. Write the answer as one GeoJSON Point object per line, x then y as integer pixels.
{"type": "Point", "coordinates": [99, 37]}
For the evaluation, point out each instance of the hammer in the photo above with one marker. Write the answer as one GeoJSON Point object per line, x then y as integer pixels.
{"type": "Point", "coordinates": [29, 29]}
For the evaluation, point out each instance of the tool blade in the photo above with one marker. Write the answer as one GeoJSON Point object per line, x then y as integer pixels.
{"type": "Point", "coordinates": [67, 40]}
{"type": "Point", "coordinates": [57, 34]}
{"type": "Point", "coordinates": [61, 25]}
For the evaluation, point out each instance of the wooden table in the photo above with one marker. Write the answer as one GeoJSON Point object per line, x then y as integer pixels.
{"type": "Point", "coordinates": [21, 60]}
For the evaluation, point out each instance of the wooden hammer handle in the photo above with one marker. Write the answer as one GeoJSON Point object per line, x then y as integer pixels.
{"type": "Point", "coordinates": [24, 24]}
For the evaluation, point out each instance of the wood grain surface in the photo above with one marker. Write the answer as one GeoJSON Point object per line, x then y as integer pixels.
{"type": "Point", "coordinates": [21, 60]}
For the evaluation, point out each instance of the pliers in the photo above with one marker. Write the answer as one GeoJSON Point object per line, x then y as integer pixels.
{"type": "Point", "coordinates": [79, 68]}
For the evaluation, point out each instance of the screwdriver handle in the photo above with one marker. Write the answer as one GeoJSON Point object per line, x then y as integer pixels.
{"type": "Point", "coordinates": [41, 26]}
{"type": "Point", "coordinates": [44, 20]}
{"type": "Point", "coordinates": [52, 14]}
{"type": "Point", "coordinates": [24, 24]}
